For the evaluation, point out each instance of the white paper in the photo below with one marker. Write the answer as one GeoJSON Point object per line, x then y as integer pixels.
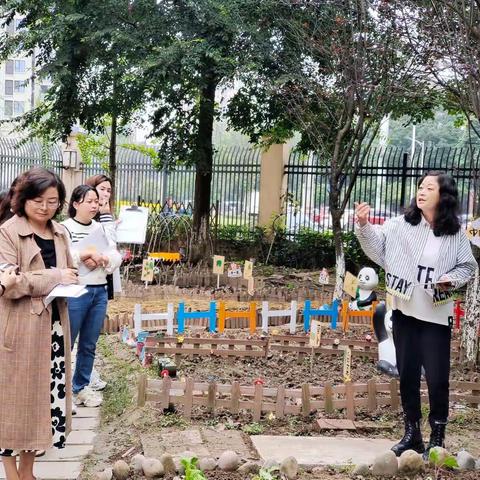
{"type": "Point", "coordinates": [96, 241]}
{"type": "Point", "coordinates": [65, 291]}
{"type": "Point", "coordinates": [132, 226]}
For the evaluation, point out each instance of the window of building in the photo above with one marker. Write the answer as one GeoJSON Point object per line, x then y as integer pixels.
{"type": "Point", "coordinates": [18, 108]}
{"type": "Point", "coordinates": [20, 86]}
{"type": "Point", "coordinates": [11, 27]}
{"type": "Point", "coordinates": [9, 67]}
{"type": "Point", "coordinates": [20, 66]}
{"type": "Point", "coordinates": [18, 24]}
{"type": "Point", "coordinates": [44, 88]}
{"type": "Point", "coordinates": [8, 87]}
{"type": "Point", "coordinates": [8, 108]}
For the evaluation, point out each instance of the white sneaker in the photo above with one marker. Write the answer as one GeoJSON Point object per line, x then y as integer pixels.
{"type": "Point", "coordinates": [88, 398]}
{"type": "Point", "coordinates": [96, 383]}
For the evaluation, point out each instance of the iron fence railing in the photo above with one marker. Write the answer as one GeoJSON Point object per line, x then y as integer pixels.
{"type": "Point", "coordinates": [17, 156]}
{"type": "Point", "coordinates": [386, 180]}
{"type": "Point", "coordinates": [235, 182]}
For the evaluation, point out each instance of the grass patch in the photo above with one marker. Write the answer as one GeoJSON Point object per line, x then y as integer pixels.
{"type": "Point", "coordinates": [121, 377]}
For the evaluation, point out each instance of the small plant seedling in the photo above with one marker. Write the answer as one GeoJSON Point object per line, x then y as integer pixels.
{"type": "Point", "coordinates": [253, 429]}
{"type": "Point", "coordinates": [441, 462]}
{"type": "Point", "coordinates": [192, 472]}
{"type": "Point", "coordinates": [267, 474]}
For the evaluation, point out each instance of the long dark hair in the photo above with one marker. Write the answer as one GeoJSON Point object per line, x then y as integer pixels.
{"type": "Point", "coordinates": [6, 201]}
{"type": "Point", "coordinates": [32, 184]}
{"type": "Point", "coordinates": [78, 196]}
{"type": "Point", "coordinates": [446, 221]}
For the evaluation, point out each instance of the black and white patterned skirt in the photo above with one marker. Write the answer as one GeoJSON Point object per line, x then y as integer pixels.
{"type": "Point", "coordinates": [57, 391]}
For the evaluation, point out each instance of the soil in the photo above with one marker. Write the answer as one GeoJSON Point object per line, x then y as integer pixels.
{"type": "Point", "coordinates": [124, 424]}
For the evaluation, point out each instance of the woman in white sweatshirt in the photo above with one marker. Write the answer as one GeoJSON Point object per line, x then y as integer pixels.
{"type": "Point", "coordinates": [87, 313]}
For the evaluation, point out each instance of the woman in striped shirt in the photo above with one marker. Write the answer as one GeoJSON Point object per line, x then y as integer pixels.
{"type": "Point", "coordinates": [426, 255]}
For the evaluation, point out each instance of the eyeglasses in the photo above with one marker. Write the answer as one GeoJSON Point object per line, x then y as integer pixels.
{"type": "Point", "coordinates": [51, 204]}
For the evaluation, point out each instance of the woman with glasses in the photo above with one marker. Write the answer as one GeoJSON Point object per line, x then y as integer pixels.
{"type": "Point", "coordinates": [87, 313]}
{"type": "Point", "coordinates": [35, 383]}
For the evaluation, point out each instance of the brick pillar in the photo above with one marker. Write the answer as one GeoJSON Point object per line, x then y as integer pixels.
{"type": "Point", "coordinates": [272, 182]}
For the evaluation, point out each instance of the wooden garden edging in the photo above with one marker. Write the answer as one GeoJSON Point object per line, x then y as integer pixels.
{"type": "Point", "coordinates": [222, 347]}
{"type": "Point", "coordinates": [259, 399]}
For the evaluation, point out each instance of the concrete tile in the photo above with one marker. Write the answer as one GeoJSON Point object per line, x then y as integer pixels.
{"type": "Point", "coordinates": [335, 450]}
{"type": "Point", "coordinates": [53, 470]}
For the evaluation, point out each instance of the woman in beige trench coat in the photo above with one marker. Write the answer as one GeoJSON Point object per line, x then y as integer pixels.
{"type": "Point", "coordinates": [35, 373]}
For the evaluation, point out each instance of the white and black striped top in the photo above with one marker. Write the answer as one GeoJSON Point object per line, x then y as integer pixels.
{"type": "Point", "coordinates": [397, 247]}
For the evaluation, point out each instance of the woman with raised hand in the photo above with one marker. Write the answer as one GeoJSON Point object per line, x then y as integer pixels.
{"type": "Point", "coordinates": [87, 313]}
{"type": "Point", "coordinates": [35, 383]}
{"type": "Point", "coordinates": [426, 256]}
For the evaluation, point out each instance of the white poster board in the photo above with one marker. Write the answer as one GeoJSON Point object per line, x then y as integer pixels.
{"type": "Point", "coordinates": [132, 226]}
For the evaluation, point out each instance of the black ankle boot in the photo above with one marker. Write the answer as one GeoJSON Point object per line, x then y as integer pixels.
{"type": "Point", "coordinates": [437, 436]}
{"type": "Point", "coordinates": [412, 440]}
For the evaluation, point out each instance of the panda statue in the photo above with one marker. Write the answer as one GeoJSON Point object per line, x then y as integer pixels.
{"type": "Point", "coordinates": [382, 324]}
{"type": "Point", "coordinates": [365, 294]}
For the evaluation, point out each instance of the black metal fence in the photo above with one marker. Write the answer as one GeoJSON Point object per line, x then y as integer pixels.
{"type": "Point", "coordinates": [17, 157]}
{"type": "Point", "coordinates": [235, 183]}
{"type": "Point", "coordinates": [387, 181]}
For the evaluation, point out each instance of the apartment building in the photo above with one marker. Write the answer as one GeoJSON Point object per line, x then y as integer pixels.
{"type": "Point", "coordinates": [20, 89]}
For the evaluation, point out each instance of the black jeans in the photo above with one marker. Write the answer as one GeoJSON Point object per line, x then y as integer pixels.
{"type": "Point", "coordinates": [420, 343]}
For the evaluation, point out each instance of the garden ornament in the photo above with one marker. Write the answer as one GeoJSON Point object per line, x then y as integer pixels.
{"type": "Point", "coordinates": [365, 295]}
{"type": "Point", "coordinates": [382, 324]}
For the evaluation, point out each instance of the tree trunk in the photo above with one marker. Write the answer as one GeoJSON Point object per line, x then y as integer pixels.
{"type": "Point", "coordinates": [200, 244]}
{"type": "Point", "coordinates": [470, 342]}
{"type": "Point", "coordinates": [336, 214]}
{"type": "Point", "coordinates": [112, 158]}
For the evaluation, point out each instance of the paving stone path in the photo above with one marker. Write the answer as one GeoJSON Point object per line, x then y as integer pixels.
{"type": "Point", "coordinates": [66, 463]}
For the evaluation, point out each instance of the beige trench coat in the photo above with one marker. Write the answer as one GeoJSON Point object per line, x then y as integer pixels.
{"type": "Point", "coordinates": [25, 339]}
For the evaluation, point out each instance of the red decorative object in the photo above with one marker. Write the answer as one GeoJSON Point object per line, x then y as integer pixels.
{"type": "Point", "coordinates": [164, 373]}
{"type": "Point", "coordinates": [258, 381]}
{"type": "Point", "coordinates": [140, 346]}
{"type": "Point", "coordinates": [458, 312]}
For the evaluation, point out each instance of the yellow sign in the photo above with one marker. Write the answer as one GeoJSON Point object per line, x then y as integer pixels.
{"type": "Point", "coordinates": [473, 232]}
{"type": "Point", "coordinates": [315, 334]}
{"type": "Point", "coordinates": [248, 270]}
{"type": "Point", "coordinates": [218, 264]}
{"type": "Point", "coordinates": [347, 365]}
{"type": "Point", "coordinates": [147, 270]}
{"type": "Point", "coordinates": [350, 284]}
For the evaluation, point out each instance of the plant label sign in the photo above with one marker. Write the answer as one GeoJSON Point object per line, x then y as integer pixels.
{"type": "Point", "coordinates": [234, 270]}
{"type": "Point", "coordinates": [248, 270]}
{"type": "Point", "coordinates": [473, 232]}
{"type": "Point", "coordinates": [148, 265]}
{"type": "Point", "coordinates": [315, 334]}
{"type": "Point", "coordinates": [347, 365]}
{"type": "Point", "coordinates": [218, 264]}
{"type": "Point", "coordinates": [324, 277]}
{"type": "Point", "coordinates": [350, 284]}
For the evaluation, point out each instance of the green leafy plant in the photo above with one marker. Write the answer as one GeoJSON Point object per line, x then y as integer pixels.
{"type": "Point", "coordinates": [440, 461]}
{"type": "Point", "coordinates": [192, 472]}
{"type": "Point", "coordinates": [253, 429]}
{"type": "Point", "coordinates": [267, 474]}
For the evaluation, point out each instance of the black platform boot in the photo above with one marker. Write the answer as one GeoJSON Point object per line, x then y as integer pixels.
{"type": "Point", "coordinates": [437, 437]}
{"type": "Point", "coordinates": [412, 440]}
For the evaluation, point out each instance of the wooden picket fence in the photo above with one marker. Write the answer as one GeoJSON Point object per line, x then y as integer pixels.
{"type": "Point", "coordinates": [195, 346]}
{"type": "Point", "coordinates": [300, 344]}
{"type": "Point", "coordinates": [259, 399]}
{"type": "Point", "coordinates": [114, 323]}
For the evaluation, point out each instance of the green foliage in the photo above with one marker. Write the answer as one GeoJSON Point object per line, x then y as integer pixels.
{"type": "Point", "coordinates": [192, 472]}
{"type": "Point", "coordinates": [439, 461]}
{"type": "Point", "coordinates": [254, 428]}
{"type": "Point", "coordinates": [267, 474]}
{"type": "Point", "coordinates": [92, 147]}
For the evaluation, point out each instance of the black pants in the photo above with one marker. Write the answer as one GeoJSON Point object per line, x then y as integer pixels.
{"type": "Point", "coordinates": [420, 343]}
